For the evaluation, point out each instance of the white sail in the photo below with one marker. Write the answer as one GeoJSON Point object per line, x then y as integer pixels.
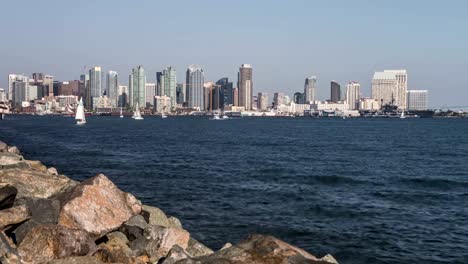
{"type": "Point", "coordinates": [137, 113]}
{"type": "Point", "coordinates": [80, 113]}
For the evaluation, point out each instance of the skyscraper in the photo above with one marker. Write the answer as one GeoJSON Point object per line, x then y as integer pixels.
{"type": "Point", "coordinates": [180, 93]}
{"type": "Point", "coordinates": [335, 92]}
{"type": "Point", "coordinates": [390, 87]}
{"type": "Point", "coordinates": [262, 101]}
{"type": "Point", "coordinates": [150, 94]}
{"type": "Point", "coordinates": [309, 89]}
{"type": "Point", "coordinates": [95, 79]}
{"type": "Point", "coordinates": [170, 85]}
{"type": "Point", "coordinates": [353, 95]}
{"type": "Point", "coordinates": [417, 100]}
{"type": "Point", "coordinates": [245, 86]}
{"type": "Point", "coordinates": [298, 98]}
{"type": "Point", "coordinates": [112, 87]}
{"type": "Point", "coordinates": [195, 79]}
{"type": "Point", "coordinates": [137, 85]}
{"type": "Point", "coordinates": [159, 84]}
{"type": "Point", "coordinates": [226, 92]}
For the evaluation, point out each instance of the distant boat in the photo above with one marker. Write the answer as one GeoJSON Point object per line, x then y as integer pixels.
{"type": "Point", "coordinates": [121, 114]}
{"type": "Point", "coordinates": [163, 115]}
{"type": "Point", "coordinates": [225, 117]}
{"type": "Point", "coordinates": [137, 113]}
{"type": "Point", "coordinates": [80, 114]}
{"type": "Point", "coordinates": [402, 114]}
{"type": "Point", "coordinates": [215, 117]}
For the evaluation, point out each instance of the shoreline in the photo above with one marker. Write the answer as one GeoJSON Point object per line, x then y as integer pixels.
{"type": "Point", "coordinates": [46, 217]}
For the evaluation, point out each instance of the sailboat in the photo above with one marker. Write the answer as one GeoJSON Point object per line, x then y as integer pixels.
{"type": "Point", "coordinates": [137, 113]}
{"type": "Point", "coordinates": [121, 114]}
{"type": "Point", "coordinates": [402, 114]}
{"type": "Point", "coordinates": [80, 113]}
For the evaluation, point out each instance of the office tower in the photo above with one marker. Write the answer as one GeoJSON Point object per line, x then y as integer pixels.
{"type": "Point", "coordinates": [95, 79]}
{"type": "Point", "coordinates": [278, 99]}
{"type": "Point", "coordinates": [137, 87]}
{"type": "Point", "coordinates": [18, 89]}
{"type": "Point", "coordinates": [195, 79]}
{"type": "Point", "coordinates": [298, 98]}
{"type": "Point", "coordinates": [235, 96]}
{"type": "Point", "coordinates": [122, 96]}
{"type": "Point", "coordinates": [245, 86]}
{"type": "Point", "coordinates": [85, 90]}
{"type": "Point", "coordinates": [353, 95]}
{"type": "Point", "coordinates": [208, 95]}
{"type": "Point", "coordinates": [162, 104]}
{"type": "Point", "coordinates": [335, 92]}
{"type": "Point", "coordinates": [150, 94]}
{"type": "Point", "coordinates": [159, 84]}
{"type": "Point", "coordinates": [390, 87]}
{"type": "Point", "coordinates": [262, 101]}
{"type": "Point", "coordinates": [309, 89]}
{"type": "Point", "coordinates": [417, 99]}
{"type": "Point", "coordinates": [170, 84]}
{"type": "Point", "coordinates": [217, 97]}
{"type": "Point", "coordinates": [67, 88]}
{"type": "Point", "coordinates": [226, 92]}
{"type": "Point", "coordinates": [3, 97]}
{"type": "Point", "coordinates": [180, 93]}
{"type": "Point", "coordinates": [112, 86]}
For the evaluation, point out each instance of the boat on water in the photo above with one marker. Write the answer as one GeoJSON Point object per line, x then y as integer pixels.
{"type": "Point", "coordinates": [121, 114]}
{"type": "Point", "coordinates": [163, 115]}
{"type": "Point", "coordinates": [137, 113]}
{"type": "Point", "coordinates": [402, 114]}
{"type": "Point", "coordinates": [80, 114]}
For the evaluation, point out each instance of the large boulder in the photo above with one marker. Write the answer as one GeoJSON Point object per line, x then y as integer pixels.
{"type": "Point", "coordinates": [47, 242]}
{"type": "Point", "coordinates": [134, 227]}
{"type": "Point", "coordinates": [260, 249]}
{"type": "Point", "coordinates": [13, 215]}
{"type": "Point", "coordinates": [31, 183]}
{"type": "Point", "coordinates": [7, 196]}
{"type": "Point", "coordinates": [154, 216]}
{"type": "Point", "coordinates": [77, 260]}
{"type": "Point", "coordinates": [197, 249]}
{"type": "Point", "coordinates": [3, 147]}
{"type": "Point", "coordinates": [115, 250]}
{"type": "Point", "coordinates": [97, 206]}
{"type": "Point", "coordinates": [8, 251]}
{"type": "Point", "coordinates": [174, 222]}
{"type": "Point", "coordinates": [10, 160]}
{"type": "Point", "coordinates": [13, 150]}
{"type": "Point", "coordinates": [175, 254]}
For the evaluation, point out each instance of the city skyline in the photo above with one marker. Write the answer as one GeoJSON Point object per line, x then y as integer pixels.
{"type": "Point", "coordinates": [430, 47]}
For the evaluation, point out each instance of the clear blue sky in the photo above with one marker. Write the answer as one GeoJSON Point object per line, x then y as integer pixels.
{"type": "Point", "coordinates": [285, 41]}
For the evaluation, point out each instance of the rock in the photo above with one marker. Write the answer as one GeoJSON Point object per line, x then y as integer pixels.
{"type": "Point", "coordinates": [154, 216]}
{"type": "Point", "coordinates": [7, 247]}
{"type": "Point", "coordinates": [30, 183]}
{"type": "Point", "coordinates": [227, 245]}
{"type": "Point", "coordinates": [36, 165]}
{"type": "Point", "coordinates": [116, 235]}
{"type": "Point", "coordinates": [47, 242]}
{"type": "Point", "coordinates": [175, 254]}
{"type": "Point", "coordinates": [162, 239]}
{"type": "Point", "coordinates": [77, 260]}
{"type": "Point", "coordinates": [97, 206]}
{"type": "Point", "coordinates": [13, 150]}
{"type": "Point", "coordinates": [174, 222]}
{"type": "Point", "coordinates": [134, 227]}
{"type": "Point", "coordinates": [7, 196]}
{"type": "Point", "coordinates": [13, 215]}
{"type": "Point", "coordinates": [3, 147]}
{"type": "Point", "coordinates": [52, 171]}
{"type": "Point", "coordinates": [10, 160]}
{"type": "Point", "coordinates": [43, 211]}
{"type": "Point", "coordinates": [197, 249]}
{"type": "Point", "coordinates": [115, 250]}
{"type": "Point", "coordinates": [260, 249]}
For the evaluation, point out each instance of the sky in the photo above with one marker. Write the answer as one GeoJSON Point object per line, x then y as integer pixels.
{"type": "Point", "coordinates": [284, 41]}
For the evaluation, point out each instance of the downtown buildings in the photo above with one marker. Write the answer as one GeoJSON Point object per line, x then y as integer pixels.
{"type": "Point", "coordinates": [245, 85]}
{"type": "Point", "coordinates": [195, 79]}
{"type": "Point", "coordinates": [390, 87]}
{"type": "Point", "coordinates": [137, 87]}
{"type": "Point", "coordinates": [417, 100]}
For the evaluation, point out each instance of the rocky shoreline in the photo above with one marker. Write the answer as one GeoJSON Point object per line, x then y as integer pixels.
{"type": "Point", "coordinates": [46, 217]}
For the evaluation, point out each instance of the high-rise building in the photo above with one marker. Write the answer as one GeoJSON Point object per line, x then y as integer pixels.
{"type": "Point", "coordinates": [309, 89]}
{"type": "Point", "coordinates": [335, 92]}
{"type": "Point", "coordinates": [85, 90]}
{"type": "Point", "coordinates": [195, 78]}
{"type": "Point", "coordinates": [170, 85]}
{"type": "Point", "coordinates": [112, 87]}
{"type": "Point", "coordinates": [137, 87]}
{"type": "Point", "coordinates": [122, 95]}
{"type": "Point", "coordinates": [279, 99]}
{"type": "Point", "coordinates": [245, 86]}
{"type": "Point", "coordinates": [150, 94]}
{"type": "Point", "coordinates": [226, 92]}
{"type": "Point", "coordinates": [180, 93]}
{"type": "Point", "coordinates": [417, 99]}
{"type": "Point", "coordinates": [262, 101]}
{"type": "Point", "coordinates": [217, 97]}
{"type": "Point", "coordinates": [235, 96]}
{"type": "Point", "coordinates": [390, 87]}
{"type": "Point", "coordinates": [298, 98]}
{"type": "Point", "coordinates": [353, 95]}
{"type": "Point", "coordinates": [95, 79]}
{"type": "Point", "coordinates": [18, 89]}
{"type": "Point", "coordinates": [2, 95]}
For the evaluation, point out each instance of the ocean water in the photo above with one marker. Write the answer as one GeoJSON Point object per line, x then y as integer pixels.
{"type": "Point", "coordinates": [364, 190]}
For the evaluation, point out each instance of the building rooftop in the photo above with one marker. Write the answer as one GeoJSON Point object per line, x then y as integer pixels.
{"type": "Point", "coordinates": [385, 75]}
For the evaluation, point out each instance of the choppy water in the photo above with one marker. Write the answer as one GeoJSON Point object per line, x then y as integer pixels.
{"type": "Point", "coordinates": [364, 190]}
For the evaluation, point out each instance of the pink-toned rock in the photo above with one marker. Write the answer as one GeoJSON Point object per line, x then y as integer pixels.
{"type": "Point", "coordinates": [97, 206]}
{"type": "Point", "coordinates": [52, 171]}
{"type": "Point", "coordinates": [162, 239]}
{"type": "Point", "coordinates": [47, 242]}
{"type": "Point", "coordinates": [13, 215]}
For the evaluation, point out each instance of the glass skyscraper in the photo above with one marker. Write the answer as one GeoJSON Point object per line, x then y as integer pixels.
{"type": "Point", "coordinates": [170, 85]}
{"type": "Point", "coordinates": [137, 84]}
{"type": "Point", "coordinates": [195, 79]}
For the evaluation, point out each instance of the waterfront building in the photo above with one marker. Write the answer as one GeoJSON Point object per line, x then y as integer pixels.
{"type": "Point", "coordinates": [226, 93]}
{"type": "Point", "coordinates": [298, 98]}
{"type": "Point", "coordinates": [170, 85]}
{"type": "Point", "coordinates": [159, 84]}
{"type": "Point", "coordinates": [278, 99]}
{"type": "Point", "coordinates": [325, 105]}
{"type": "Point", "coordinates": [369, 104]}
{"type": "Point", "coordinates": [112, 86]}
{"type": "Point", "coordinates": [353, 95]}
{"type": "Point", "coordinates": [44, 83]}
{"type": "Point", "coordinates": [85, 90]}
{"type": "Point", "coordinates": [122, 95]}
{"type": "Point", "coordinates": [335, 92]}
{"type": "Point", "coordinates": [217, 97]}
{"type": "Point", "coordinates": [245, 85]}
{"type": "Point", "coordinates": [195, 78]}
{"type": "Point", "coordinates": [207, 95]}
{"type": "Point", "coordinates": [262, 101]}
{"type": "Point", "coordinates": [309, 89]}
{"type": "Point", "coordinates": [150, 94]}
{"type": "Point", "coordinates": [137, 87]}
{"type": "Point", "coordinates": [3, 95]}
{"type": "Point", "coordinates": [390, 87]}
{"type": "Point", "coordinates": [417, 99]}
{"type": "Point", "coordinates": [68, 88]}
{"type": "Point", "coordinates": [293, 108]}
{"type": "Point", "coordinates": [162, 104]}
{"type": "Point", "coordinates": [180, 93]}
{"type": "Point", "coordinates": [235, 96]}
{"type": "Point", "coordinates": [95, 79]}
